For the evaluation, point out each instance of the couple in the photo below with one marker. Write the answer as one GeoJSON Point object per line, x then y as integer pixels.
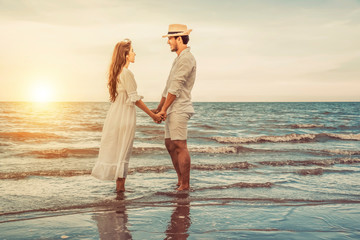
{"type": "Point", "coordinates": [175, 108]}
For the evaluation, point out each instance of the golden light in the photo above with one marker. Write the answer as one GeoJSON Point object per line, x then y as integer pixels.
{"type": "Point", "coordinates": [42, 93]}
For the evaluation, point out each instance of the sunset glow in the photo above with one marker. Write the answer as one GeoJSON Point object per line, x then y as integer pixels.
{"type": "Point", "coordinates": [41, 93]}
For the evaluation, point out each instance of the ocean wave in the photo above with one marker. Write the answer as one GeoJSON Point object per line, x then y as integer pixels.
{"type": "Point", "coordinates": [8, 112]}
{"type": "Point", "coordinates": [286, 201]}
{"type": "Point", "coordinates": [63, 153]}
{"type": "Point", "coordinates": [320, 171]}
{"type": "Point", "coordinates": [91, 127]}
{"type": "Point", "coordinates": [157, 201]}
{"type": "Point", "coordinates": [355, 137]}
{"type": "Point", "coordinates": [307, 126]}
{"type": "Point", "coordinates": [156, 138]}
{"type": "Point", "coordinates": [147, 169]}
{"type": "Point", "coordinates": [326, 152]}
{"type": "Point", "coordinates": [205, 126]}
{"type": "Point", "coordinates": [316, 171]}
{"type": "Point", "coordinates": [339, 171]}
{"type": "Point", "coordinates": [238, 185]}
{"type": "Point", "coordinates": [147, 150]}
{"type": "Point", "coordinates": [82, 152]}
{"type": "Point", "coordinates": [43, 173]}
{"type": "Point", "coordinates": [287, 138]}
{"type": "Point", "coordinates": [152, 132]}
{"type": "Point", "coordinates": [343, 127]}
{"type": "Point", "coordinates": [150, 129]}
{"type": "Point", "coordinates": [11, 118]}
{"type": "Point", "coordinates": [93, 152]}
{"type": "Point", "coordinates": [144, 169]}
{"type": "Point", "coordinates": [71, 173]}
{"type": "Point", "coordinates": [326, 162]}
{"type": "Point", "coordinates": [23, 136]}
{"type": "Point", "coordinates": [341, 152]}
{"type": "Point", "coordinates": [222, 166]}
{"type": "Point", "coordinates": [214, 150]}
{"type": "Point", "coordinates": [199, 167]}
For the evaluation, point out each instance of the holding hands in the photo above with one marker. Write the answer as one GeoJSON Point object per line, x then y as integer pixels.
{"type": "Point", "coordinates": [163, 115]}
{"type": "Point", "coordinates": [158, 116]}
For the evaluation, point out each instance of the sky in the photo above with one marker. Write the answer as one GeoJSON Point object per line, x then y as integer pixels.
{"type": "Point", "coordinates": [246, 51]}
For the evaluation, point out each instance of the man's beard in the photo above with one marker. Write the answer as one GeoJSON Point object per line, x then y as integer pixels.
{"type": "Point", "coordinates": [174, 49]}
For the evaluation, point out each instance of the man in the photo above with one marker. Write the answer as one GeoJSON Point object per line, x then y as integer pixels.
{"type": "Point", "coordinates": [175, 105]}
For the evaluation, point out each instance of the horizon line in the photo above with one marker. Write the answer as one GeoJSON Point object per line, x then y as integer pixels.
{"type": "Point", "coordinates": [39, 102]}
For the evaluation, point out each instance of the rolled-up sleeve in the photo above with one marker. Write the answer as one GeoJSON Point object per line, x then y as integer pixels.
{"type": "Point", "coordinates": [179, 77]}
{"type": "Point", "coordinates": [164, 94]}
{"type": "Point", "coordinates": [131, 87]}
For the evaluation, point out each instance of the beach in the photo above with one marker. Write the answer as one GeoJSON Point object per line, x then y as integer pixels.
{"type": "Point", "coordinates": [259, 171]}
{"type": "Point", "coordinates": [191, 219]}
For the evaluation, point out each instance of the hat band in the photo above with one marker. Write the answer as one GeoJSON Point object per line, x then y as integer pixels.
{"type": "Point", "coordinates": [174, 32]}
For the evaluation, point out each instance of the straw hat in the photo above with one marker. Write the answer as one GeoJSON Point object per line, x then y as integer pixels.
{"type": "Point", "coordinates": [177, 30]}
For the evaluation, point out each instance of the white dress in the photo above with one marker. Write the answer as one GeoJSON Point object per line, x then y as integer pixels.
{"type": "Point", "coordinates": [118, 131]}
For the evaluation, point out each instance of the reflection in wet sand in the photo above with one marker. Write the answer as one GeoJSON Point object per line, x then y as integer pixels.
{"type": "Point", "coordinates": [112, 225]}
{"type": "Point", "coordinates": [180, 219]}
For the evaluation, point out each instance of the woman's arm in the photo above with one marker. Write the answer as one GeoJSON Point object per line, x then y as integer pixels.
{"type": "Point", "coordinates": [140, 104]}
{"type": "Point", "coordinates": [130, 87]}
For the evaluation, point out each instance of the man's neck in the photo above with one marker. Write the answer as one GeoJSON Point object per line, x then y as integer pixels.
{"type": "Point", "coordinates": [180, 49]}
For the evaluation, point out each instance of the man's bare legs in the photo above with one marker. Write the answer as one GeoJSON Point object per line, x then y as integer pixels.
{"type": "Point", "coordinates": [181, 160]}
{"type": "Point", "coordinates": [120, 184]}
{"type": "Point", "coordinates": [174, 158]}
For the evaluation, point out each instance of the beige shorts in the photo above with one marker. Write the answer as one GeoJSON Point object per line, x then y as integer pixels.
{"type": "Point", "coordinates": [176, 125]}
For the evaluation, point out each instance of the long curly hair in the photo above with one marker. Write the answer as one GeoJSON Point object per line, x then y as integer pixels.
{"type": "Point", "coordinates": [118, 62]}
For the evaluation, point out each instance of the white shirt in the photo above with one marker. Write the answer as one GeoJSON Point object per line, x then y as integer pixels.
{"type": "Point", "coordinates": [181, 81]}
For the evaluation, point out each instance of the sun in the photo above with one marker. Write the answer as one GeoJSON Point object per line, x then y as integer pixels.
{"type": "Point", "coordinates": [41, 93]}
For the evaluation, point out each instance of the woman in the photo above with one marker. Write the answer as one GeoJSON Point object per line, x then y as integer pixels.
{"type": "Point", "coordinates": [119, 126]}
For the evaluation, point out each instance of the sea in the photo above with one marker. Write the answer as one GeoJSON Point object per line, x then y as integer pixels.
{"type": "Point", "coordinates": [274, 170]}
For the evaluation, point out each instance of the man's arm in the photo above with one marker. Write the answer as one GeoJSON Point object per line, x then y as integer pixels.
{"type": "Point", "coordinates": [176, 85]}
{"type": "Point", "coordinates": [167, 102]}
{"type": "Point", "coordinates": [161, 104]}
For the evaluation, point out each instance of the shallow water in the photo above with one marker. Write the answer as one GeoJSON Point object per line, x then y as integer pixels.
{"type": "Point", "coordinates": [258, 170]}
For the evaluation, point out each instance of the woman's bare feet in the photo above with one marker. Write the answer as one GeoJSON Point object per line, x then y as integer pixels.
{"type": "Point", "coordinates": [120, 184]}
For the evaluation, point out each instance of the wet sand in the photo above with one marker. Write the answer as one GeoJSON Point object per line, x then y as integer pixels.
{"type": "Point", "coordinates": [181, 216]}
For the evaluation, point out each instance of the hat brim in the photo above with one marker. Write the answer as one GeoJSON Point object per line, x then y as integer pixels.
{"type": "Point", "coordinates": [186, 33]}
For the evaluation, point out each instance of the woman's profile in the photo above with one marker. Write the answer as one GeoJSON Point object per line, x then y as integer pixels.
{"type": "Point", "coordinates": [119, 126]}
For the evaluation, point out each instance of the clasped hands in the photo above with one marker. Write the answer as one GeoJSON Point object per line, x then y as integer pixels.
{"type": "Point", "coordinates": [159, 116]}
